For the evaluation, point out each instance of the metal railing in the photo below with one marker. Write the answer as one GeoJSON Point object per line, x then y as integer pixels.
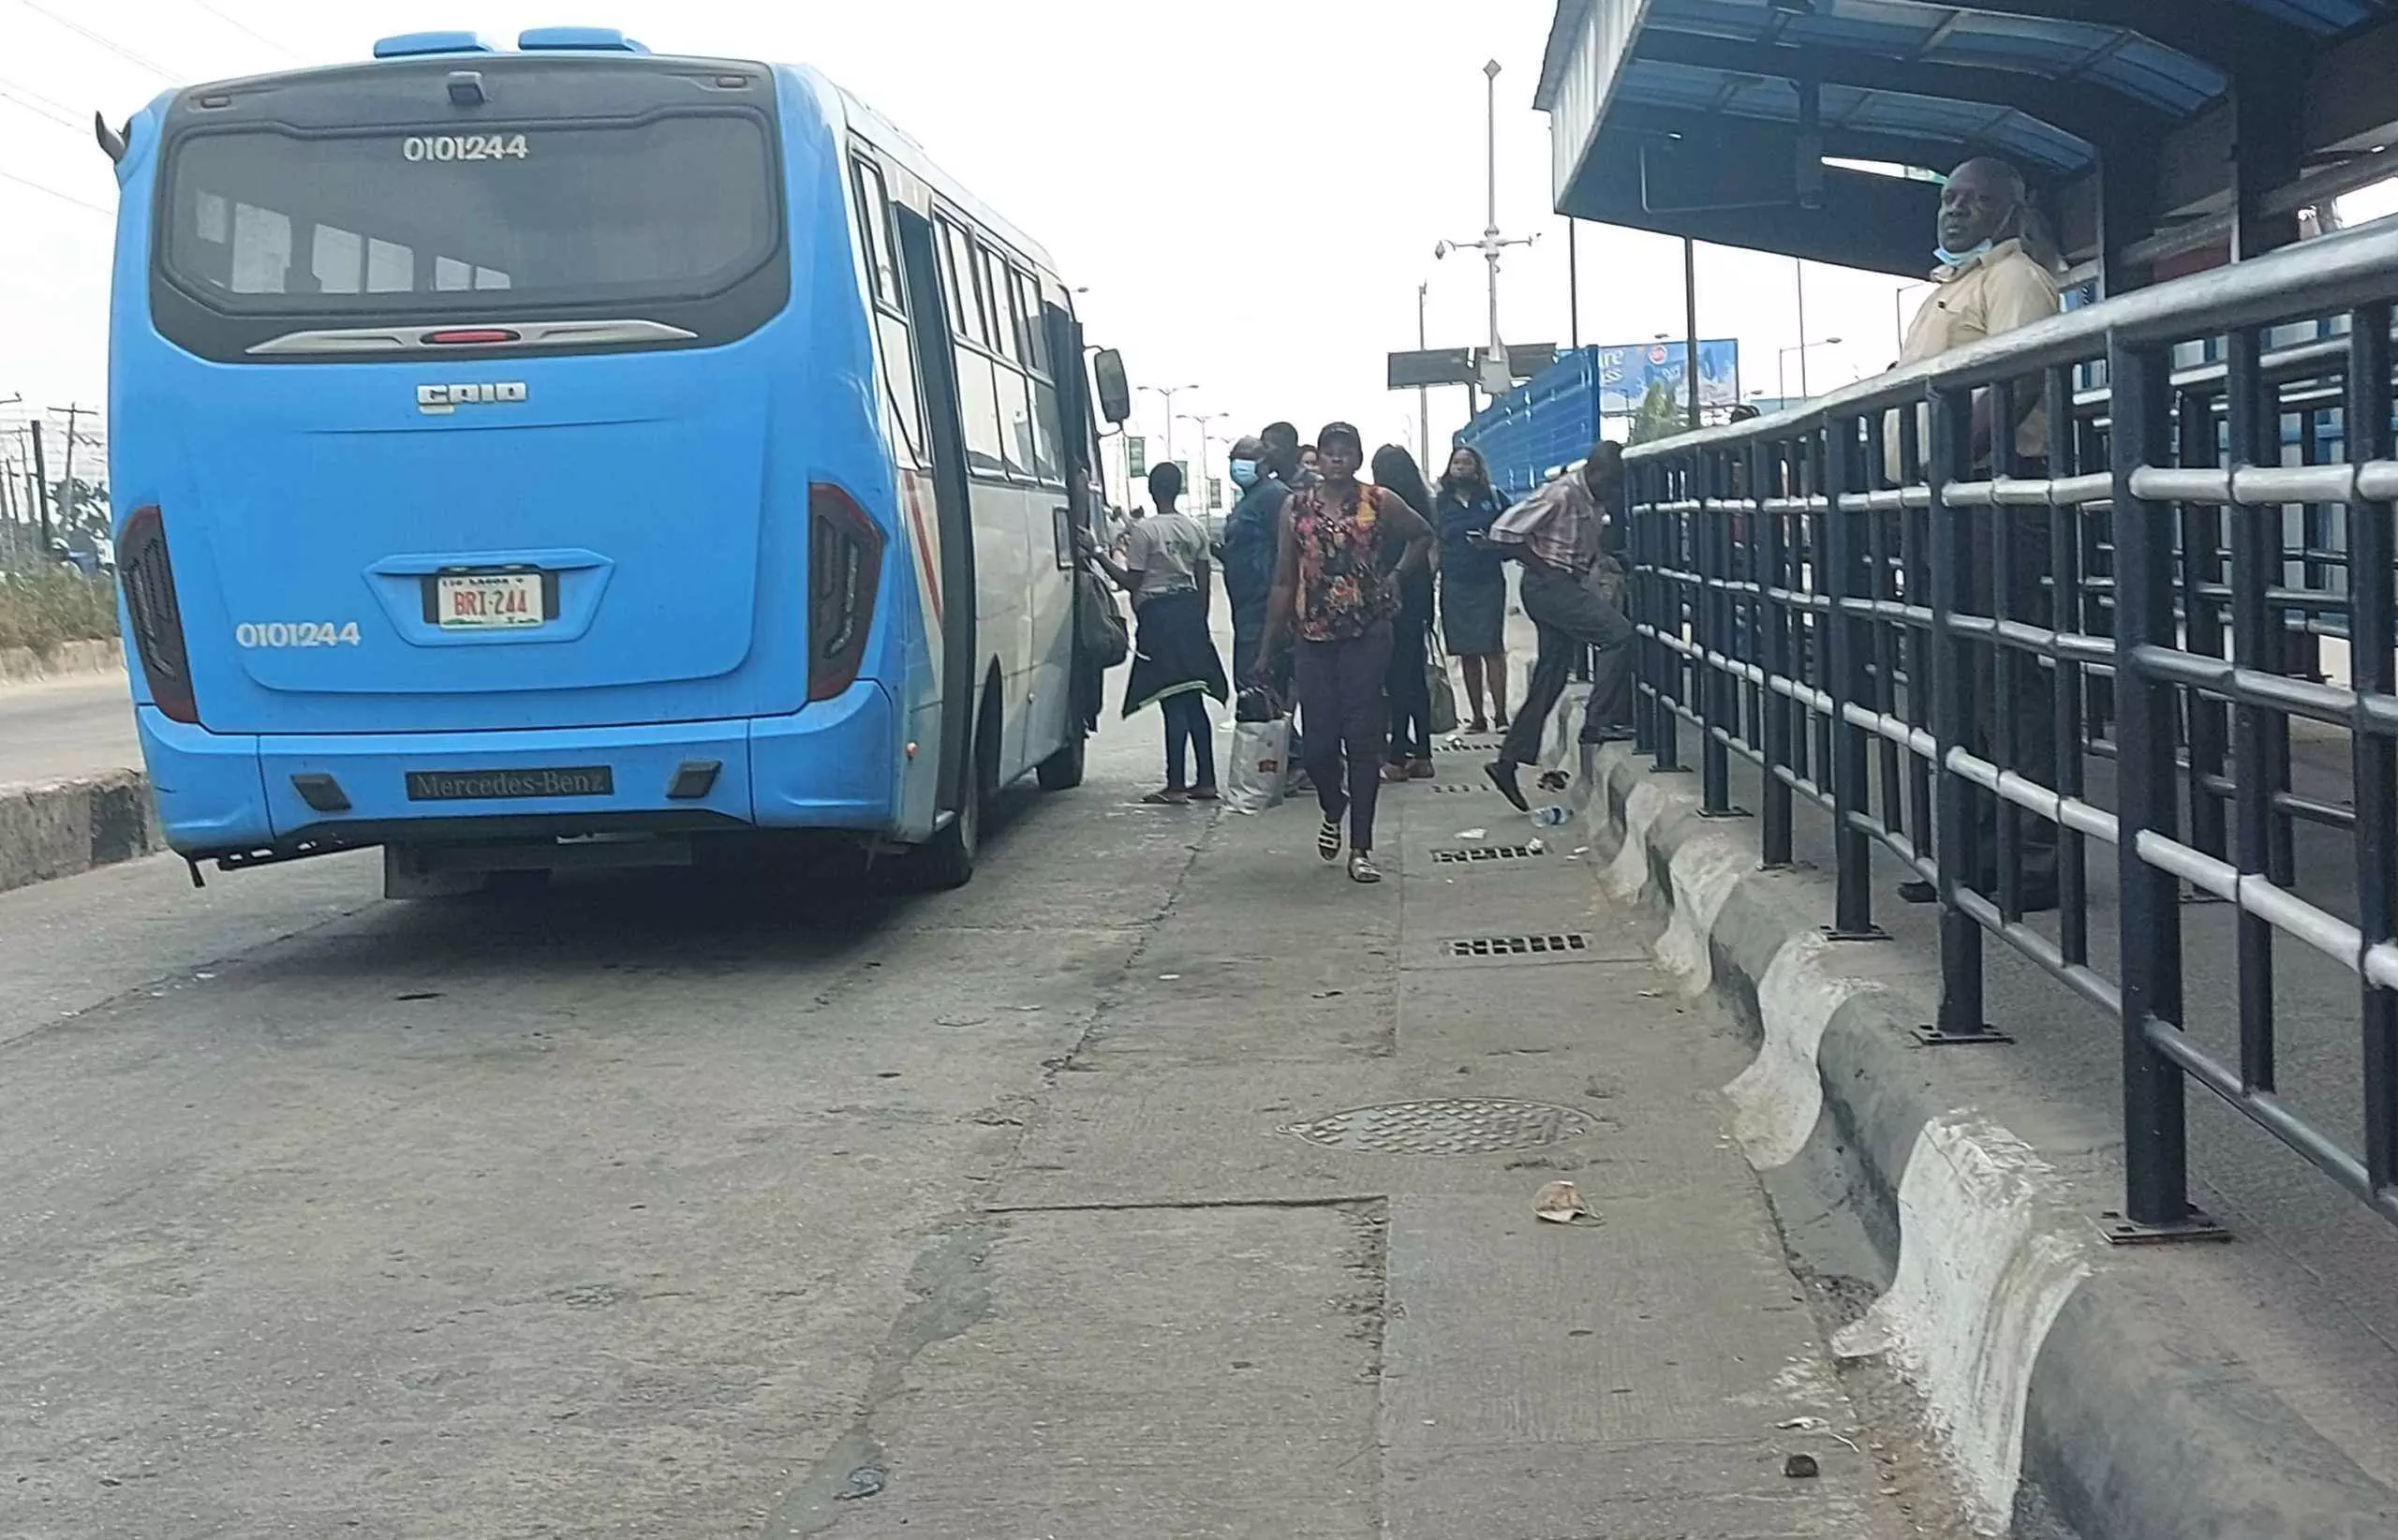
{"type": "Point", "coordinates": [2098, 633]}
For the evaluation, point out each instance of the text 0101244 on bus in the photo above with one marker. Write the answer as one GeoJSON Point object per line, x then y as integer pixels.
{"type": "Point", "coordinates": [561, 455]}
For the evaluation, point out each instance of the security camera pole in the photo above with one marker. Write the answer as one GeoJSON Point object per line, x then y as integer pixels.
{"type": "Point", "coordinates": [1492, 242]}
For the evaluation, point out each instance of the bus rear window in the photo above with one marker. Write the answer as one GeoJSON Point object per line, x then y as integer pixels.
{"type": "Point", "coordinates": [399, 222]}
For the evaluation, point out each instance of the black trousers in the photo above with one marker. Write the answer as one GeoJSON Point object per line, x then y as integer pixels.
{"type": "Point", "coordinates": [1571, 617]}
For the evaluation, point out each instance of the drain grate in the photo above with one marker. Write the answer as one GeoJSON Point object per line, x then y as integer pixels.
{"type": "Point", "coordinates": [1487, 852]}
{"type": "Point", "coordinates": [1565, 944]}
{"type": "Point", "coordinates": [1455, 788]}
{"type": "Point", "coordinates": [1451, 1126]}
{"type": "Point", "coordinates": [1491, 746]}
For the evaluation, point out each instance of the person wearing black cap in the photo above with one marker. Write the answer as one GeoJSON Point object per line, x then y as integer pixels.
{"type": "Point", "coordinates": [1334, 591]}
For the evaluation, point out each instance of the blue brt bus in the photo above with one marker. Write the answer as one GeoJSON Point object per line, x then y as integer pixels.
{"type": "Point", "coordinates": [561, 456]}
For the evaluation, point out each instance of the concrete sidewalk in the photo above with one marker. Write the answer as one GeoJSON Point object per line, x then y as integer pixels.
{"type": "Point", "coordinates": [1292, 1063]}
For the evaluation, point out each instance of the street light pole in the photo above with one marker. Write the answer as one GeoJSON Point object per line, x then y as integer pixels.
{"type": "Point", "coordinates": [1799, 265]}
{"type": "Point", "coordinates": [1781, 384]}
{"type": "Point", "coordinates": [1202, 418]}
{"type": "Point", "coordinates": [1423, 394]}
{"type": "Point", "coordinates": [1492, 242]}
{"type": "Point", "coordinates": [1169, 392]}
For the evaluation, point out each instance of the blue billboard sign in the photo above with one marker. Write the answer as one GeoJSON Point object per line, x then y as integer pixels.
{"type": "Point", "coordinates": [1628, 375]}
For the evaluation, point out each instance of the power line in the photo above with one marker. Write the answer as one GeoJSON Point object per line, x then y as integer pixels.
{"type": "Point", "coordinates": [52, 119]}
{"type": "Point", "coordinates": [242, 27]}
{"type": "Point", "coordinates": [63, 197]}
{"type": "Point", "coordinates": [33, 101]}
{"type": "Point", "coordinates": [102, 39]}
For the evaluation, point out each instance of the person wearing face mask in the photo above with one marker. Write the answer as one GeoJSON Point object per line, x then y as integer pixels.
{"type": "Point", "coordinates": [1996, 273]}
{"type": "Point", "coordinates": [1248, 548]}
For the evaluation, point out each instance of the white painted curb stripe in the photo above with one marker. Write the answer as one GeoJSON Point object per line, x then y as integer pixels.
{"type": "Point", "coordinates": [1778, 1099]}
{"type": "Point", "coordinates": [1983, 1271]}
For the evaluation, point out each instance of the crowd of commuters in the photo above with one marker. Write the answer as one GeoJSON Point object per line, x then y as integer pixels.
{"type": "Point", "coordinates": [1337, 586]}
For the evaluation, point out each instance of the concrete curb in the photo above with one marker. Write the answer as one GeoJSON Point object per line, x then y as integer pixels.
{"type": "Point", "coordinates": [60, 828]}
{"type": "Point", "coordinates": [2064, 1376]}
{"type": "Point", "coordinates": [67, 660]}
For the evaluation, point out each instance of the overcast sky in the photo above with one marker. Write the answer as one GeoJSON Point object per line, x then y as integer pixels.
{"type": "Point", "coordinates": [1251, 189]}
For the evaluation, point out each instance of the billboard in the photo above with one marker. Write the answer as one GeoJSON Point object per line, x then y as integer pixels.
{"type": "Point", "coordinates": [1627, 375]}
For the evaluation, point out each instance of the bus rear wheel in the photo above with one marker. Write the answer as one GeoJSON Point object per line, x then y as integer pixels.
{"type": "Point", "coordinates": [947, 860]}
{"type": "Point", "coordinates": [1063, 770]}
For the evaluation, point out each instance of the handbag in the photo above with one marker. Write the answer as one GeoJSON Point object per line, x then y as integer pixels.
{"type": "Point", "coordinates": [1099, 625]}
{"type": "Point", "coordinates": [1443, 716]}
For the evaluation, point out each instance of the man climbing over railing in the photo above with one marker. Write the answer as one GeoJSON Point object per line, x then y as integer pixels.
{"type": "Point", "coordinates": [1996, 273]}
{"type": "Point", "coordinates": [1572, 590]}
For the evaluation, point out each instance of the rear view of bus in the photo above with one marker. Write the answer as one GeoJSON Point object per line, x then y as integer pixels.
{"type": "Point", "coordinates": [498, 464]}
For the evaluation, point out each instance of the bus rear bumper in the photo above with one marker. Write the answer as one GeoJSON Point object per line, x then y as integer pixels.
{"type": "Point", "coordinates": [832, 765]}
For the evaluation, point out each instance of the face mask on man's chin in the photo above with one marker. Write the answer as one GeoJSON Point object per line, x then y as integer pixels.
{"type": "Point", "coordinates": [1243, 473]}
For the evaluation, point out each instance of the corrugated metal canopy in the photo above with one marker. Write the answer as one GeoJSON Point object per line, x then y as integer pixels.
{"type": "Point", "coordinates": [1652, 84]}
{"type": "Point", "coordinates": [1673, 116]}
{"type": "Point", "coordinates": [1902, 30]}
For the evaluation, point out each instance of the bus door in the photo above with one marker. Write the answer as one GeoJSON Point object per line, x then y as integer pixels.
{"type": "Point", "coordinates": [945, 442]}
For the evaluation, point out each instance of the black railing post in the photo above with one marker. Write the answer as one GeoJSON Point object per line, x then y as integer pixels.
{"type": "Point", "coordinates": [1640, 598]}
{"type": "Point", "coordinates": [1718, 704]}
{"type": "Point", "coordinates": [2252, 430]}
{"type": "Point", "coordinates": [2373, 616]}
{"type": "Point", "coordinates": [1846, 681]}
{"type": "Point", "coordinates": [1664, 741]}
{"type": "Point", "coordinates": [1773, 578]}
{"type": "Point", "coordinates": [2156, 1137]}
{"type": "Point", "coordinates": [1961, 1019]}
{"type": "Point", "coordinates": [2066, 459]}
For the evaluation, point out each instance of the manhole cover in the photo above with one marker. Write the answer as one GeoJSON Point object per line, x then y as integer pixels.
{"type": "Point", "coordinates": [1562, 944]}
{"type": "Point", "coordinates": [1451, 1126]}
{"type": "Point", "coordinates": [1487, 852]}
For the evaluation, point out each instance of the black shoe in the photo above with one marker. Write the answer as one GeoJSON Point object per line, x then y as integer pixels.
{"type": "Point", "coordinates": [1612, 733]}
{"type": "Point", "coordinates": [1502, 776]}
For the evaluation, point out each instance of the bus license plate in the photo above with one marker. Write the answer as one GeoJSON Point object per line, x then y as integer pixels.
{"type": "Point", "coordinates": [487, 600]}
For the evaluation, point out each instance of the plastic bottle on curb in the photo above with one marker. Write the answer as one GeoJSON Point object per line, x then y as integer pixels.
{"type": "Point", "coordinates": [1552, 817]}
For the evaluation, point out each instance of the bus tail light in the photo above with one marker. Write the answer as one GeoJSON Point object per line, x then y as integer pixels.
{"type": "Point", "coordinates": [844, 573]}
{"type": "Point", "coordinates": [149, 580]}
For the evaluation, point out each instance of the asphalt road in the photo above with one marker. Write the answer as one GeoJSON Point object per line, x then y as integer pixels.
{"type": "Point", "coordinates": [661, 1207]}
{"type": "Point", "coordinates": [66, 728]}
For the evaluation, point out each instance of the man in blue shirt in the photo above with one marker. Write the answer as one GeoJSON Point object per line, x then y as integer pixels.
{"type": "Point", "coordinates": [1262, 469]}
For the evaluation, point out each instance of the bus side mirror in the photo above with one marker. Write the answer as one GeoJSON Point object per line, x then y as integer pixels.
{"type": "Point", "coordinates": [110, 141]}
{"type": "Point", "coordinates": [1115, 392]}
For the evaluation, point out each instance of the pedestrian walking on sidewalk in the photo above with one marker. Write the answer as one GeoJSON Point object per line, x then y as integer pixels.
{"type": "Point", "coordinates": [1175, 666]}
{"type": "Point", "coordinates": [1408, 684]}
{"type": "Point", "coordinates": [1473, 585]}
{"type": "Point", "coordinates": [1335, 595]}
{"type": "Point", "coordinates": [1571, 589]}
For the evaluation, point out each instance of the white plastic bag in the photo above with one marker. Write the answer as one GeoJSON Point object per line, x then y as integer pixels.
{"type": "Point", "coordinates": [1258, 766]}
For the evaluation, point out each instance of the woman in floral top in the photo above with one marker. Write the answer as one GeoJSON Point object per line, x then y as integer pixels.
{"type": "Point", "coordinates": [1334, 592]}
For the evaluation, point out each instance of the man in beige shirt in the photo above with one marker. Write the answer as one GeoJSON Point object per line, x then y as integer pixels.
{"type": "Point", "coordinates": [1990, 282]}
{"type": "Point", "coordinates": [1993, 278]}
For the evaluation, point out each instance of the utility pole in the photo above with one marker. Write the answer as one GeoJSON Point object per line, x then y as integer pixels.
{"type": "Point", "coordinates": [67, 476]}
{"type": "Point", "coordinates": [1798, 264]}
{"type": "Point", "coordinates": [1690, 317]}
{"type": "Point", "coordinates": [1491, 244]}
{"type": "Point", "coordinates": [41, 487]}
{"type": "Point", "coordinates": [1572, 286]}
{"type": "Point", "coordinates": [1423, 394]}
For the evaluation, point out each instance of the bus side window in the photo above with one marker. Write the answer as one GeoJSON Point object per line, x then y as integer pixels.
{"type": "Point", "coordinates": [874, 236]}
{"type": "Point", "coordinates": [957, 270]}
{"type": "Point", "coordinates": [887, 301]}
